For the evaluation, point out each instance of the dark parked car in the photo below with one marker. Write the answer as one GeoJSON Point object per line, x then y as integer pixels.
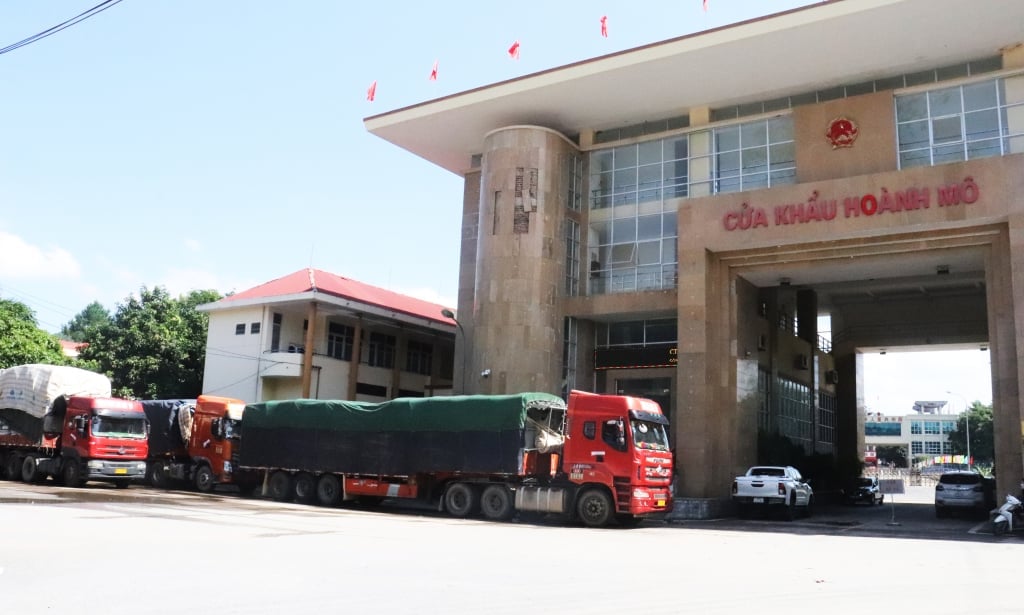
{"type": "Point", "coordinates": [864, 489]}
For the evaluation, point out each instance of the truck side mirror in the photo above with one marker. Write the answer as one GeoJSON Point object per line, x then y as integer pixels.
{"type": "Point", "coordinates": [621, 426]}
{"type": "Point", "coordinates": [80, 425]}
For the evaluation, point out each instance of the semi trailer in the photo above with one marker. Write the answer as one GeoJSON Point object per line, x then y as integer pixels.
{"type": "Point", "coordinates": [601, 459]}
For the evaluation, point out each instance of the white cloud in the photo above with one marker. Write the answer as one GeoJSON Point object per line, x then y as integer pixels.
{"type": "Point", "coordinates": [183, 281]}
{"type": "Point", "coordinates": [20, 259]}
{"type": "Point", "coordinates": [427, 294]}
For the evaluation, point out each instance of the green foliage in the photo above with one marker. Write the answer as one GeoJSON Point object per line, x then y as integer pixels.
{"type": "Point", "coordinates": [892, 453]}
{"type": "Point", "coordinates": [92, 317]}
{"type": "Point", "coordinates": [979, 419]}
{"type": "Point", "coordinates": [154, 346]}
{"type": "Point", "coordinates": [21, 339]}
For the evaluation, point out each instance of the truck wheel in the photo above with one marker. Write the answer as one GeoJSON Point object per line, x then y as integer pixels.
{"type": "Point", "coordinates": [158, 476]}
{"type": "Point", "coordinates": [791, 510]}
{"type": "Point", "coordinates": [305, 487]}
{"type": "Point", "coordinates": [281, 486]}
{"type": "Point", "coordinates": [496, 503]}
{"type": "Point", "coordinates": [594, 508]}
{"type": "Point", "coordinates": [72, 473]}
{"type": "Point", "coordinates": [328, 490]}
{"type": "Point", "coordinates": [30, 470]}
{"type": "Point", "coordinates": [461, 500]}
{"type": "Point", "coordinates": [204, 478]}
{"type": "Point", "coordinates": [12, 467]}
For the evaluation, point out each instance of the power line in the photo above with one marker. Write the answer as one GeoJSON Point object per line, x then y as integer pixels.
{"type": "Point", "coordinates": [99, 8]}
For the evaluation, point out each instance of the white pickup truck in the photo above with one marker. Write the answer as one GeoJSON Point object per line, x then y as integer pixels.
{"type": "Point", "coordinates": [772, 487]}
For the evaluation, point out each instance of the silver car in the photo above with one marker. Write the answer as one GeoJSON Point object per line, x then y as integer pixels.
{"type": "Point", "coordinates": [964, 490]}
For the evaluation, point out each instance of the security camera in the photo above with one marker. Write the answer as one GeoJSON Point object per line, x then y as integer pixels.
{"type": "Point", "coordinates": [485, 374]}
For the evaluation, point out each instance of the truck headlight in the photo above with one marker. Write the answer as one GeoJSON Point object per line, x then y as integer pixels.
{"type": "Point", "coordinates": [94, 464]}
{"type": "Point", "coordinates": [141, 466]}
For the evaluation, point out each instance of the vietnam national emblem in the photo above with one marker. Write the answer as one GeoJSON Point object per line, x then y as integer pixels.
{"type": "Point", "coordinates": [842, 132]}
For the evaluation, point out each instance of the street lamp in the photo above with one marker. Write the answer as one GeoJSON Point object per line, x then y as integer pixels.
{"type": "Point", "coordinates": [450, 314]}
{"type": "Point", "coordinates": [967, 426]}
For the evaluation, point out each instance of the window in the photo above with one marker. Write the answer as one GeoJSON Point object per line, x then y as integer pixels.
{"type": "Point", "coordinates": [637, 333]}
{"type": "Point", "coordinates": [613, 434]}
{"type": "Point", "coordinates": [418, 357]}
{"type": "Point", "coordinates": [947, 447]}
{"type": "Point", "coordinates": [275, 333]}
{"type": "Point", "coordinates": [916, 447]}
{"type": "Point", "coordinates": [572, 258]}
{"type": "Point", "coordinates": [240, 328]}
{"type": "Point", "coordinates": [590, 430]}
{"type": "Point", "coordinates": [963, 122]}
{"type": "Point", "coordinates": [933, 448]}
{"type": "Point", "coordinates": [634, 190]}
{"type": "Point", "coordinates": [254, 328]}
{"type": "Point", "coordinates": [574, 181]}
{"type": "Point", "coordinates": [570, 342]}
{"type": "Point", "coordinates": [916, 427]}
{"type": "Point", "coordinates": [932, 427]}
{"type": "Point", "coordinates": [339, 341]}
{"type": "Point", "coordinates": [380, 352]}
{"type": "Point", "coordinates": [948, 426]}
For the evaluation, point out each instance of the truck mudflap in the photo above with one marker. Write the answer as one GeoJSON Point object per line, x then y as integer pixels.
{"type": "Point", "coordinates": [102, 468]}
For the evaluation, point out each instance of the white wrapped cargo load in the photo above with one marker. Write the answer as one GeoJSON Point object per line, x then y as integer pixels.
{"type": "Point", "coordinates": [28, 393]}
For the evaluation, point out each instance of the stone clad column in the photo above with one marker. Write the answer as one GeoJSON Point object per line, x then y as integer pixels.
{"type": "Point", "coordinates": [517, 319]}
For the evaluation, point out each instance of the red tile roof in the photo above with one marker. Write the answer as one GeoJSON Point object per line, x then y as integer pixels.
{"type": "Point", "coordinates": [308, 280]}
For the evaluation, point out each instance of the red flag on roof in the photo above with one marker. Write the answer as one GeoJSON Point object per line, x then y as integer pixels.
{"type": "Point", "coordinates": [604, 26]}
{"type": "Point", "coordinates": [705, 6]}
{"type": "Point", "coordinates": [372, 92]}
{"type": "Point", "coordinates": [513, 51]}
{"type": "Point", "coordinates": [433, 72]}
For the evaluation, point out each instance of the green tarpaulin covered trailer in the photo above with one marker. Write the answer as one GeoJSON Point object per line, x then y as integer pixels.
{"type": "Point", "coordinates": [469, 434]}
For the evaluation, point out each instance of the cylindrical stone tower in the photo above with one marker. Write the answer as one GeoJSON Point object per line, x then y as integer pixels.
{"type": "Point", "coordinates": [517, 319]}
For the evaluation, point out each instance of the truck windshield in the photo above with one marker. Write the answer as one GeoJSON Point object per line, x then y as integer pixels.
{"type": "Point", "coordinates": [111, 427]}
{"type": "Point", "coordinates": [648, 435]}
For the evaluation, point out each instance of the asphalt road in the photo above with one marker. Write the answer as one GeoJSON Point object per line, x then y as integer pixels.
{"type": "Point", "coordinates": [142, 551]}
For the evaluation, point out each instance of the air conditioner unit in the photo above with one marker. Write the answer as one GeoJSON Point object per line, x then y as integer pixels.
{"type": "Point", "coordinates": [801, 362]}
{"type": "Point", "coordinates": [832, 377]}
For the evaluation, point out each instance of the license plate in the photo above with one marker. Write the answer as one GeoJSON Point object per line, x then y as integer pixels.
{"type": "Point", "coordinates": [661, 503]}
{"type": "Point", "coordinates": [758, 500]}
{"type": "Point", "coordinates": [120, 470]}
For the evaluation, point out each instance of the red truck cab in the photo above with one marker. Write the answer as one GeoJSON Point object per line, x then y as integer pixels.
{"type": "Point", "coordinates": [620, 442]}
{"type": "Point", "coordinates": [213, 443]}
{"type": "Point", "coordinates": [103, 439]}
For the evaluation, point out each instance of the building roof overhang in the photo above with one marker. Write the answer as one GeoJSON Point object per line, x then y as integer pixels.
{"type": "Point", "coordinates": [823, 45]}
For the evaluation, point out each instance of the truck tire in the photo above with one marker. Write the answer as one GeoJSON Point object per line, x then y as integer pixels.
{"type": "Point", "coordinates": [461, 500]}
{"type": "Point", "coordinates": [594, 508]}
{"type": "Point", "coordinates": [12, 467]}
{"type": "Point", "coordinates": [305, 487]}
{"type": "Point", "coordinates": [282, 488]}
{"type": "Point", "coordinates": [204, 478]}
{"type": "Point", "coordinates": [328, 490]}
{"type": "Point", "coordinates": [791, 509]}
{"type": "Point", "coordinates": [30, 470]}
{"type": "Point", "coordinates": [158, 476]}
{"type": "Point", "coordinates": [496, 503]}
{"type": "Point", "coordinates": [71, 473]}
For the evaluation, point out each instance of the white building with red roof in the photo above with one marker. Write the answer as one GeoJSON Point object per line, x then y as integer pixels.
{"type": "Point", "coordinates": [320, 335]}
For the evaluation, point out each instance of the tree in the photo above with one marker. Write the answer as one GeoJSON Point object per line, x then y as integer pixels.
{"type": "Point", "coordinates": [977, 422]}
{"type": "Point", "coordinates": [892, 454]}
{"type": "Point", "coordinates": [154, 347]}
{"type": "Point", "coordinates": [93, 316]}
{"type": "Point", "coordinates": [21, 339]}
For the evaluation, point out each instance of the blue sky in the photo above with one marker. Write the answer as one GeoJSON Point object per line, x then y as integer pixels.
{"type": "Point", "coordinates": [197, 144]}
